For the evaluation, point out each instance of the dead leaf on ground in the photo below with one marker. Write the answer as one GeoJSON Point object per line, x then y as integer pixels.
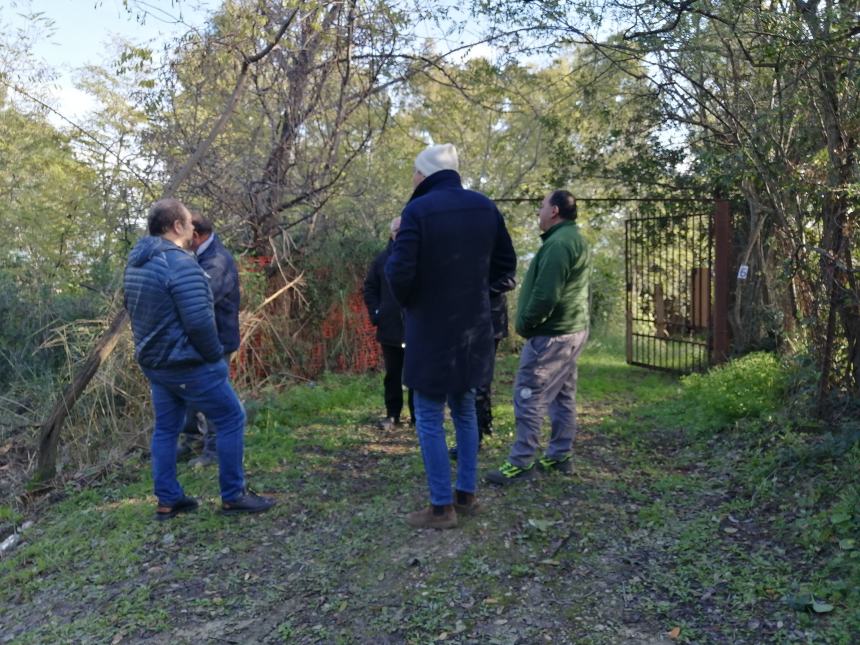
{"type": "Point", "coordinates": [674, 633]}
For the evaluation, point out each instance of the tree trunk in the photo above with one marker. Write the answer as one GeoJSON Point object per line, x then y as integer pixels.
{"type": "Point", "coordinates": [50, 431]}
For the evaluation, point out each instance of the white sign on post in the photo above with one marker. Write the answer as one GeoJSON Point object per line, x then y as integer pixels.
{"type": "Point", "coordinates": [743, 272]}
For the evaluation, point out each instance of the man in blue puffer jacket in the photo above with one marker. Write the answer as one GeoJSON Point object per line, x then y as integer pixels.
{"type": "Point", "coordinates": [176, 344]}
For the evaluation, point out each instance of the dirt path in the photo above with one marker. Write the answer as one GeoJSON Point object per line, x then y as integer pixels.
{"type": "Point", "coordinates": [597, 557]}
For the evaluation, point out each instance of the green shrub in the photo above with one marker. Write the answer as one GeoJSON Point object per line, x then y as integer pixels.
{"type": "Point", "coordinates": [751, 387]}
{"type": "Point", "coordinates": [27, 318]}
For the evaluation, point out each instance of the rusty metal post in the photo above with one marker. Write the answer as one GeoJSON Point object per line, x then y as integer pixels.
{"type": "Point", "coordinates": [628, 295]}
{"type": "Point", "coordinates": [722, 276]}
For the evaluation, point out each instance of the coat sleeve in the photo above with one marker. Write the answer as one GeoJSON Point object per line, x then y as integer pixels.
{"type": "Point", "coordinates": [193, 299]}
{"type": "Point", "coordinates": [373, 290]}
{"type": "Point", "coordinates": [503, 263]}
{"type": "Point", "coordinates": [553, 269]}
{"type": "Point", "coordinates": [401, 269]}
{"type": "Point", "coordinates": [504, 284]}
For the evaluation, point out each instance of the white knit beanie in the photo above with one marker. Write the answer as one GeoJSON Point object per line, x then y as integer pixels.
{"type": "Point", "coordinates": [435, 158]}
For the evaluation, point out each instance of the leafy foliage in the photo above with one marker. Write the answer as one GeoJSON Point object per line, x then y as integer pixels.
{"type": "Point", "coordinates": [747, 389]}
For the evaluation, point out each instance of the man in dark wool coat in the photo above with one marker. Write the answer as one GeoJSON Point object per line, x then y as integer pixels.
{"type": "Point", "coordinates": [451, 247]}
{"type": "Point", "coordinates": [223, 275]}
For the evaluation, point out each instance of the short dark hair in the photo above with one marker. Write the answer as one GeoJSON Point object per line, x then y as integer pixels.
{"type": "Point", "coordinates": [163, 214]}
{"type": "Point", "coordinates": [565, 202]}
{"type": "Point", "coordinates": [202, 226]}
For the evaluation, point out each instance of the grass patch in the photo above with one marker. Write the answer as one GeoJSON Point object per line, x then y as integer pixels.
{"type": "Point", "coordinates": [677, 515]}
{"type": "Point", "coordinates": [749, 388]}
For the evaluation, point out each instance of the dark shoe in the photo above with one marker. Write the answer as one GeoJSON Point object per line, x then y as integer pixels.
{"type": "Point", "coordinates": [204, 460]}
{"type": "Point", "coordinates": [466, 504]}
{"type": "Point", "coordinates": [433, 517]}
{"type": "Point", "coordinates": [247, 503]}
{"type": "Point", "coordinates": [562, 465]}
{"type": "Point", "coordinates": [184, 505]}
{"type": "Point", "coordinates": [508, 474]}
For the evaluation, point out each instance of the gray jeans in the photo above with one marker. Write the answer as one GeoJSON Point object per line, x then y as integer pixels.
{"type": "Point", "coordinates": [546, 382]}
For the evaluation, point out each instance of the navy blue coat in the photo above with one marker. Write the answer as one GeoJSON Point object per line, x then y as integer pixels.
{"type": "Point", "coordinates": [170, 304]}
{"type": "Point", "coordinates": [224, 282]}
{"type": "Point", "coordinates": [451, 247]}
{"type": "Point", "coordinates": [383, 309]}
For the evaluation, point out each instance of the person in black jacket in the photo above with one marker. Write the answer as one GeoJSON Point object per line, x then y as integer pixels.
{"type": "Point", "coordinates": [499, 314]}
{"type": "Point", "coordinates": [220, 269]}
{"type": "Point", "coordinates": [386, 316]}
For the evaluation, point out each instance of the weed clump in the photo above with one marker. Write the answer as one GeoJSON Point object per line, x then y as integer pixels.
{"type": "Point", "coordinates": [749, 388]}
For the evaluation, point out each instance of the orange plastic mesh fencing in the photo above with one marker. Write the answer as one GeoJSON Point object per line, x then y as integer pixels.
{"type": "Point", "coordinates": [347, 340]}
{"type": "Point", "coordinates": [278, 343]}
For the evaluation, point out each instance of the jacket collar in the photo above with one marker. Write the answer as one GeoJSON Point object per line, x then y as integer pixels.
{"type": "Point", "coordinates": [436, 181]}
{"type": "Point", "coordinates": [546, 234]}
{"type": "Point", "coordinates": [210, 242]}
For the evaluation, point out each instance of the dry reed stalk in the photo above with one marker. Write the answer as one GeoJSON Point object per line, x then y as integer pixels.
{"type": "Point", "coordinates": [261, 350]}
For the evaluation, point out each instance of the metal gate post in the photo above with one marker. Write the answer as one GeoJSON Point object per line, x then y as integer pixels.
{"type": "Point", "coordinates": [722, 268]}
{"type": "Point", "coordinates": [628, 293]}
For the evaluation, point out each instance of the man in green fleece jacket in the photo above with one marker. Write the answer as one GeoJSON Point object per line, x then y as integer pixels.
{"type": "Point", "coordinates": [552, 314]}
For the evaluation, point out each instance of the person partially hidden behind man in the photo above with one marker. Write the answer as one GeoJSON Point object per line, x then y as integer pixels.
{"type": "Point", "coordinates": [483, 394]}
{"type": "Point", "coordinates": [387, 317]}
{"type": "Point", "coordinates": [169, 301]}
{"type": "Point", "coordinates": [220, 269]}
{"type": "Point", "coordinates": [553, 316]}
{"type": "Point", "coordinates": [452, 245]}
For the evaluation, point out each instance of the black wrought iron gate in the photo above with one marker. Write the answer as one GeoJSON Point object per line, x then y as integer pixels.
{"type": "Point", "coordinates": [674, 320]}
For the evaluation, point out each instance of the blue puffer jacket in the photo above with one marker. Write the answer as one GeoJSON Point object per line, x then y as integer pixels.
{"type": "Point", "coordinates": [224, 282]}
{"type": "Point", "coordinates": [168, 298]}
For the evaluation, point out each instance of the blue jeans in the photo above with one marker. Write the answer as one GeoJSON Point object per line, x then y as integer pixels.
{"type": "Point", "coordinates": [194, 426]}
{"type": "Point", "coordinates": [205, 388]}
{"type": "Point", "coordinates": [429, 415]}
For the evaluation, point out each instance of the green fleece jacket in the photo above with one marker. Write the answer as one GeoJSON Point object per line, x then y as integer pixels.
{"type": "Point", "coordinates": [554, 296]}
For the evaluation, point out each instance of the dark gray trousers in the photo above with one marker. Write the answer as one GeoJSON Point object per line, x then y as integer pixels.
{"type": "Point", "coordinates": [546, 382]}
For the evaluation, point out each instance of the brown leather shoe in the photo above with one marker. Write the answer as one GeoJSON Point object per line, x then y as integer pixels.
{"type": "Point", "coordinates": [429, 518]}
{"type": "Point", "coordinates": [466, 504]}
